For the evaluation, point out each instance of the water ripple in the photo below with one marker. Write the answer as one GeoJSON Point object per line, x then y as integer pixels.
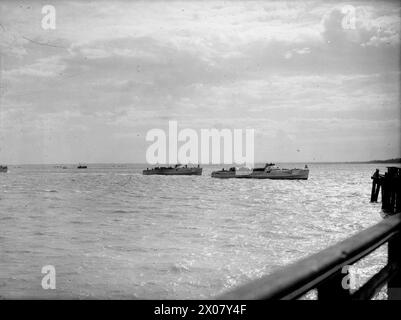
{"type": "Point", "coordinates": [112, 232]}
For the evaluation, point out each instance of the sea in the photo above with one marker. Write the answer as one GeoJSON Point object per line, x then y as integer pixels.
{"type": "Point", "coordinates": [111, 233]}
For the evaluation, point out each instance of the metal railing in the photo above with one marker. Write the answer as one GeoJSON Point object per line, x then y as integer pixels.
{"type": "Point", "coordinates": [323, 270]}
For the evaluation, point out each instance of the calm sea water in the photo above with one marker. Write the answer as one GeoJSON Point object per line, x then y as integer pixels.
{"type": "Point", "coordinates": [112, 233]}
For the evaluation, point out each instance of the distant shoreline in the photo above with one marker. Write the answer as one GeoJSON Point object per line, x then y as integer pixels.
{"type": "Point", "coordinates": [395, 161]}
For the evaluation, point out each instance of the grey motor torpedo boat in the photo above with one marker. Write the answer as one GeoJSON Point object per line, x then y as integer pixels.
{"type": "Point", "coordinates": [269, 171]}
{"type": "Point", "coordinates": [177, 170]}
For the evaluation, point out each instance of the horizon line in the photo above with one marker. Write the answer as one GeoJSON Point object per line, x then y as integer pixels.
{"type": "Point", "coordinates": [210, 164]}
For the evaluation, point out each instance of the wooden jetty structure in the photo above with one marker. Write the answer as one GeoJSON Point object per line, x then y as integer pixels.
{"type": "Point", "coordinates": [390, 185]}
{"type": "Point", "coordinates": [323, 271]}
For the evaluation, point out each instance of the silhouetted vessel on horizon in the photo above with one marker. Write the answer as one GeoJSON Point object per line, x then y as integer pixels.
{"type": "Point", "coordinates": [177, 170]}
{"type": "Point", "coordinates": [3, 168]}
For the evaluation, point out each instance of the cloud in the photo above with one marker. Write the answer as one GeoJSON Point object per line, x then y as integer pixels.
{"type": "Point", "coordinates": [361, 25]}
{"type": "Point", "coordinates": [289, 54]}
{"type": "Point", "coordinates": [44, 67]}
{"type": "Point", "coordinates": [11, 44]}
{"type": "Point", "coordinates": [116, 69]}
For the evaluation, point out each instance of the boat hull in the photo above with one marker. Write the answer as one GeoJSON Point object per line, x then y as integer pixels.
{"type": "Point", "coordinates": [223, 174]}
{"type": "Point", "coordinates": [174, 172]}
{"type": "Point", "coordinates": [285, 174]}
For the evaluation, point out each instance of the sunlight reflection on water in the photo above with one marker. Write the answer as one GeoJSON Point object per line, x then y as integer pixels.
{"type": "Point", "coordinates": [113, 233]}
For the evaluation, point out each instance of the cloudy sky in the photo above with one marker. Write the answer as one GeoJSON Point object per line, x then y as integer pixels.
{"type": "Point", "coordinates": [90, 90]}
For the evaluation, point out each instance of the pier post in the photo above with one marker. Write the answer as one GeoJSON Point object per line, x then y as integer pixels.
{"type": "Point", "coordinates": [396, 190]}
{"type": "Point", "coordinates": [391, 185]}
{"type": "Point", "coordinates": [373, 193]}
{"type": "Point", "coordinates": [398, 195]}
{"type": "Point", "coordinates": [394, 257]}
{"type": "Point", "coordinates": [375, 186]}
{"type": "Point", "coordinates": [386, 193]}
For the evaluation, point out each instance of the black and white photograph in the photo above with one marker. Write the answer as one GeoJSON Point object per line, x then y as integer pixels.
{"type": "Point", "coordinates": [200, 150]}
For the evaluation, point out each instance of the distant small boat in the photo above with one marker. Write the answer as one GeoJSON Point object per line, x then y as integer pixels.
{"type": "Point", "coordinates": [82, 166]}
{"type": "Point", "coordinates": [224, 174]}
{"type": "Point", "coordinates": [233, 172]}
{"type": "Point", "coordinates": [3, 168]}
{"type": "Point", "coordinates": [177, 170]}
{"type": "Point", "coordinates": [269, 171]}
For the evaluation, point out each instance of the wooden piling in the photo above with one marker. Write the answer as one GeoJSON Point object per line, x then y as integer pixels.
{"type": "Point", "coordinates": [391, 185]}
{"type": "Point", "coordinates": [376, 184]}
{"type": "Point", "coordinates": [398, 196]}
{"type": "Point", "coordinates": [385, 194]}
{"type": "Point", "coordinates": [394, 258]}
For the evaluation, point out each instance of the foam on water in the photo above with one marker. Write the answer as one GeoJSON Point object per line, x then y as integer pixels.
{"type": "Point", "coordinates": [113, 233]}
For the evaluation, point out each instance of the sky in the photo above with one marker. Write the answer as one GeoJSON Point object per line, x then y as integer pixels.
{"type": "Point", "coordinates": [313, 86]}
